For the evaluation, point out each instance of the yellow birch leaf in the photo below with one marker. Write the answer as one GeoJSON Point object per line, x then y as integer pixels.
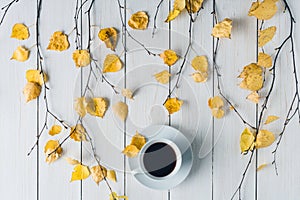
{"type": "Point", "coordinates": [35, 76]}
{"type": "Point", "coordinates": [114, 196]}
{"type": "Point", "coordinates": [263, 10]}
{"type": "Point", "coordinates": [169, 56]}
{"type": "Point", "coordinates": [120, 109]}
{"type": "Point", "coordinates": [98, 173]}
{"type": "Point", "coordinates": [217, 112]}
{"type": "Point", "coordinates": [80, 105]}
{"type": "Point", "coordinates": [138, 140]}
{"type": "Point", "coordinates": [215, 102]}
{"type": "Point", "coordinates": [72, 161]}
{"type": "Point", "coordinates": [31, 91]}
{"type": "Point", "coordinates": [138, 20]}
{"type": "Point", "coordinates": [253, 79]}
{"type": "Point", "coordinates": [80, 172]}
{"type": "Point", "coordinates": [200, 77]}
{"type": "Point", "coordinates": [78, 133]}
{"type": "Point", "coordinates": [178, 6]}
{"type": "Point", "coordinates": [254, 82]}
{"type": "Point", "coordinates": [55, 129]}
{"type": "Point", "coordinates": [131, 151]}
{"type": "Point", "coordinates": [173, 105]}
{"type": "Point", "coordinates": [254, 97]}
{"type": "Point", "coordinates": [266, 35]}
{"type": "Point", "coordinates": [163, 77]}
{"type": "Point", "coordinates": [112, 63]}
{"type": "Point", "coordinates": [252, 68]}
{"type": "Point", "coordinates": [271, 119]}
{"type": "Point", "coordinates": [58, 42]}
{"type": "Point", "coordinates": [262, 166]}
{"type": "Point", "coordinates": [127, 93]}
{"type": "Point", "coordinates": [97, 107]}
{"type": "Point", "coordinates": [264, 60]}
{"type": "Point", "coordinates": [52, 151]}
{"type": "Point", "coordinates": [199, 63]}
{"type": "Point", "coordinates": [196, 5]}
{"type": "Point", "coordinates": [247, 141]}
{"type": "Point", "coordinates": [222, 29]}
{"type": "Point", "coordinates": [21, 54]}
{"type": "Point", "coordinates": [109, 36]}
{"type": "Point", "coordinates": [253, 7]}
{"type": "Point", "coordinates": [111, 175]}
{"type": "Point", "coordinates": [20, 32]}
{"type": "Point", "coordinates": [264, 138]}
{"type": "Point", "coordinates": [81, 58]}
{"type": "Point", "coordinates": [172, 15]}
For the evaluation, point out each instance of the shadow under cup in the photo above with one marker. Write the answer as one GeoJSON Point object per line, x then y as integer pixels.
{"type": "Point", "coordinates": [160, 159]}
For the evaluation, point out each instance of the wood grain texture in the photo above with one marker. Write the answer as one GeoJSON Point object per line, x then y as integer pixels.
{"type": "Point", "coordinates": [218, 164]}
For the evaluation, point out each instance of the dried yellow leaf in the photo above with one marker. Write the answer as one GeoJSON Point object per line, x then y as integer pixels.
{"type": "Point", "coordinates": [163, 77]}
{"type": "Point", "coordinates": [20, 32]}
{"type": "Point", "coordinates": [114, 196]}
{"type": "Point", "coordinates": [253, 79]}
{"type": "Point", "coordinates": [200, 77]}
{"type": "Point", "coordinates": [200, 64]}
{"type": "Point", "coordinates": [172, 15]}
{"type": "Point", "coordinates": [262, 166]}
{"type": "Point", "coordinates": [169, 56]}
{"type": "Point", "coordinates": [81, 58]}
{"type": "Point", "coordinates": [120, 109]}
{"type": "Point", "coordinates": [35, 76]}
{"type": "Point", "coordinates": [254, 82]}
{"type": "Point", "coordinates": [173, 105]}
{"type": "Point", "coordinates": [21, 54]}
{"type": "Point", "coordinates": [112, 63]}
{"type": "Point", "coordinates": [252, 68]}
{"type": "Point", "coordinates": [263, 10]}
{"type": "Point", "coordinates": [97, 107]}
{"type": "Point", "coordinates": [215, 102]}
{"type": "Point", "coordinates": [138, 20]}
{"type": "Point", "coordinates": [264, 139]}
{"type": "Point", "coordinates": [72, 161]}
{"type": "Point", "coordinates": [52, 151]}
{"type": "Point", "coordinates": [127, 93]}
{"type": "Point", "coordinates": [138, 140]}
{"type": "Point", "coordinates": [131, 151]}
{"type": "Point", "coordinates": [247, 141]}
{"type": "Point", "coordinates": [31, 91]}
{"type": "Point", "coordinates": [254, 97]}
{"type": "Point", "coordinates": [78, 133]}
{"type": "Point", "coordinates": [58, 42]}
{"type": "Point", "coordinates": [80, 105]}
{"type": "Point", "coordinates": [222, 29]}
{"type": "Point", "coordinates": [266, 35]}
{"type": "Point", "coordinates": [109, 36]}
{"type": "Point", "coordinates": [80, 172]}
{"type": "Point", "coordinates": [111, 175]}
{"type": "Point", "coordinates": [98, 173]}
{"type": "Point", "coordinates": [55, 129]}
{"type": "Point", "coordinates": [271, 119]}
{"type": "Point", "coordinates": [217, 113]}
{"type": "Point", "coordinates": [196, 5]}
{"type": "Point", "coordinates": [264, 60]}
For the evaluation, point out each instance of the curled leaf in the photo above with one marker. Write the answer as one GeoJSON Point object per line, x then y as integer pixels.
{"type": "Point", "coordinates": [131, 151]}
{"type": "Point", "coordinates": [20, 32]}
{"type": "Point", "coordinates": [80, 172]}
{"type": "Point", "coordinates": [264, 139]}
{"type": "Point", "coordinates": [97, 107]}
{"type": "Point", "coordinates": [169, 56]}
{"type": "Point", "coordinates": [21, 54]}
{"type": "Point", "coordinates": [112, 63]}
{"type": "Point", "coordinates": [172, 15]}
{"type": "Point", "coordinates": [200, 64]}
{"type": "Point", "coordinates": [271, 119]}
{"type": "Point", "coordinates": [120, 109]}
{"type": "Point", "coordinates": [138, 20]}
{"type": "Point", "coordinates": [98, 173]}
{"type": "Point", "coordinates": [78, 133]}
{"type": "Point", "coordinates": [31, 91]}
{"type": "Point", "coordinates": [193, 5]}
{"type": "Point", "coordinates": [58, 42]}
{"type": "Point", "coordinates": [266, 35]}
{"type": "Point", "coordinates": [80, 105]}
{"type": "Point", "coordinates": [222, 29]}
{"type": "Point", "coordinates": [173, 105]}
{"type": "Point", "coordinates": [138, 140]}
{"type": "Point", "coordinates": [81, 58]}
{"type": "Point", "coordinates": [111, 175]}
{"type": "Point", "coordinates": [55, 129]}
{"type": "Point", "coordinates": [109, 36]}
{"type": "Point", "coordinates": [163, 77]}
{"type": "Point", "coordinates": [247, 141]}
{"type": "Point", "coordinates": [35, 76]}
{"type": "Point", "coordinates": [178, 6]}
{"type": "Point", "coordinates": [264, 60]}
{"type": "Point", "coordinates": [52, 150]}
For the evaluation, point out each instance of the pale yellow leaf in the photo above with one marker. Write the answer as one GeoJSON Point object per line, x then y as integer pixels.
{"type": "Point", "coordinates": [200, 77]}
{"type": "Point", "coordinates": [98, 173]}
{"type": "Point", "coordinates": [217, 113]}
{"type": "Point", "coordinates": [21, 54]}
{"type": "Point", "coordinates": [222, 29]}
{"type": "Point", "coordinates": [271, 119]}
{"type": "Point", "coordinates": [35, 76]}
{"type": "Point", "coordinates": [80, 105]}
{"type": "Point", "coordinates": [81, 58]}
{"type": "Point", "coordinates": [31, 91]}
{"type": "Point", "coordinates": [112, 63]}
{"type": "Point", "coordinates": [58, 42]}
{"type": "Point", "coordinates": [252, 77]}
{"type": "Point", "coordinates": [97, 106]}
{"type": "Point", "coordinates": [264, 138]}
{"type": "Point", "coordinates": [55, 129]}
{"type": "Point", "coordinates": [200, 64]}
{"type": "Point", "coordinates": [78, 133]}
{"type": "Point", "coordinates": [266, 35]}
{"type": "Point", "coordinates": [127, 93]}
{"type": "Point", "coordinates": [111, 175]}
{"type": "Point", "coordinates": [264, 60]}
{"type": "Point", "coordinates": [72, 161]}
{"type": "Point", "coordinates": [139, 20]}
{"type": "Point", "coordinates": [163, 77]}
{"type": "Point", "coordinates": [52, 151]}
{"type": "Point", "coordinates": [131, 151]}
{"type": "Point", "coordinates": [169, 56]}
{"type": "Point", "coordinates": [215, 102]}
{"type": "Point", "coordinates": [263, 10]}
{"type": "Point", "coordinates": [173, 105]}
{"type": "Point", "coordinates": [254, 97]}
{"type": "Point", "coordinates": [80, 172]}
{"type": "Point", "coordinates": [109, 36]}
{"type": "Point", "coordinates": [262, 166]}
{"type": "Point", "coordinates": [120, 109]}
{"type": "Point", "coordinates": [20, 32]}
{"type": "Point", "coordinates": [246, 141]}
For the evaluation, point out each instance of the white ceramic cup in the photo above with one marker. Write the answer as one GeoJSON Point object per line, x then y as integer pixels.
{"type": "Point", "coordinates": [140, 159]}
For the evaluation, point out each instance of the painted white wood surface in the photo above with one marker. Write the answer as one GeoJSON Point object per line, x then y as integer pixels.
{"type": "Point", "coordinates": [215, 174]}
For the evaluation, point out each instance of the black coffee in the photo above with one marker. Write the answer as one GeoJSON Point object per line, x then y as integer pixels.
{"type": "Point", "coordinates": [159, 159]}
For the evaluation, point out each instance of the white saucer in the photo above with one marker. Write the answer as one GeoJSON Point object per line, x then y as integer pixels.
{"type": "Point", "coordinates": [156, 132]}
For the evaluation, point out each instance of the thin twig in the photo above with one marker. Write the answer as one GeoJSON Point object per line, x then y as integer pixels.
{"type": "Point", "coordinates": [6, 9]}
